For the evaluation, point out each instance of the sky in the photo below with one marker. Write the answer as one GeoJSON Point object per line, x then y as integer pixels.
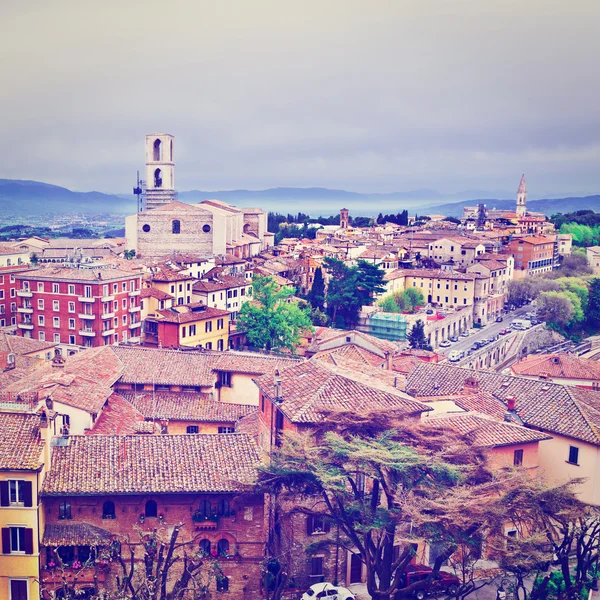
{"type": "Point", "coordinates": [368, 96]}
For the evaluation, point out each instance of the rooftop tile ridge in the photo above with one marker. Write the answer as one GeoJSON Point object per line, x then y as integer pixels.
{"type": "Point", "coordinates": [577, 403]}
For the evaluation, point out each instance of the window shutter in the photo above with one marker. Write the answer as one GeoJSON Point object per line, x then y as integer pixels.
{"type": "Point", "coordinates": [29, 541]}
{"type": "Point", "coordinates": [5, 540]}
{"type": "Point", "coordinates": [309, 525]}
{"type": "Point", "coordinates": [27, 493]}
{"type": "Point", "coordinates": [4, 499]}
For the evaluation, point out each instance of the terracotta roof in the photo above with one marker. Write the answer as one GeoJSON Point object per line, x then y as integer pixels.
{"type": "Point", "coordinates": [488, 432]}
{"type": "Point", "coordinates": [21, 345]}
{"type": "Point", "coordinates": [117, 417]}
{"type": "Point", "coordinates": [353, 353]}
{"type": "Point", "coordinates": [552, 407]}
{"type": "Point", "coordinates": [75, 534]}
{"type": "Point", "coordinates": [58, 273]}
{"type": "Point", "coordinates": [251, 363]}
{"type": "Point", "coordinates": [20, 442]}
{"type": "Point", "coordinates": [166, 367]}
{"type": "Point", "coordinates": [153, 292]}
{"type": "Point", "coordinates": [185, 406]}
{"type": "Point", "coordinates": [432, 273]}
{"type": "Point", "coordinates": [189, 313]}
{"type": "Point", "coordinates": [558, 366]}
{"type": "Point", "coordinates": [314, 387]}
{"type": "Point", "coordinates": [112, 464]}
{"type": "Point", "coordinates": [405, 363]}
{"type": "Point", "coordinates": [222, 282]}
{"type": "Point", "coordinates": [167, 273]}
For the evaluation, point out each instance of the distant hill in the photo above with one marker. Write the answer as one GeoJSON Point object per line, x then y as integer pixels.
{"type": "Point", "coordinates": [547, 206]}
{"type": "Point", "coordinates": [36, 198]}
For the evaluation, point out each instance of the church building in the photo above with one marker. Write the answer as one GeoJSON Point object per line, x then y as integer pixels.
{"type": "Point", "coordinates": [164, 225]}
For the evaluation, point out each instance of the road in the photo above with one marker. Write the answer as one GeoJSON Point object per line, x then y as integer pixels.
{"type": "Point", "coordinates": [493, 328]}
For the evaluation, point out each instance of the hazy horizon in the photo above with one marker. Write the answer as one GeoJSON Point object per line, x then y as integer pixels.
{"type": "Point", "coordinates": [379, 98]}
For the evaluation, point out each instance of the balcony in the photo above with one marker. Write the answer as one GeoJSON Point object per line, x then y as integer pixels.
{"type": "Point", "coordinates": [109, 315]}
{"type": "Point", "coordinates": [135, 309]}
{"type": "Point", "coordinates": [86, 299]}
{"type": "Point", "coordinates": [108, 332]}
{"type": "Point", "coordinates": [107, 298]}
{"type": "Point", "coordinates": [25, 325]}
{"type": "Point", "coordinates": [135, 339]}
{"type": "Point", "coordinates": [88, 316]}
{"type": "Point", "coordinates": [25, 293]}
{"type": "Point", "coordinates": [134, 293]}
{"type": "Point", "coordinates": [87, 332]}
{"type": "Point", "coordinates": [135, 325]}
{"type": "Point", "coordinates": [25, 309]}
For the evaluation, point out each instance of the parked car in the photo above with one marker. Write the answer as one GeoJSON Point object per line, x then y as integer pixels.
{"type": "Point", "coordinates": [442, 583]}
{"type": "Point", "coordinates": [503, 331]}
{"type": "Point", "coordinates": [429, 311]}
{"type": "Point", "coordinates": [476, 346]}
{"type": "Point", "coordinates": [454, 338]}
{"type": "Point", "coordinates": [534, 322]}
{"type": "Point", "coordinates": [454, 356]}
{"type": "Point", "coordinates": [465, 333]}
{"type": "Point", "coordinates": [328, 591]}
{"type": "Point", "coordinates": [445, 344]}
{"type": "Point", "coordinates": [499, 319]}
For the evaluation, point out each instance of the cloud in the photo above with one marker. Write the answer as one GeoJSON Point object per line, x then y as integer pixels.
{"type": "Point", "coordinates": [380, 96]}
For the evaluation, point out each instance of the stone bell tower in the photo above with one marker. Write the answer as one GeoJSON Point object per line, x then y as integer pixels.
{"type": "Point", "coordinates": [522, 198]}
{"type": "Point", "coordinates": [344, 220]}
{"type": "Point", "coordinates": [160, 171]}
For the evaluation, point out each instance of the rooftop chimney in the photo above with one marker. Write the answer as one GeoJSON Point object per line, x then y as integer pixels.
{"type": "Point", "coordinates": [511, 412]}
{"type": "Point", "coordinates": [277, 384]}
{"type": "Point", "coordinates": [471, 384]}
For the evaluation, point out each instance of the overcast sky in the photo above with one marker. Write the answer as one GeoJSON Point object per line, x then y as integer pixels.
{"type": "Point", "coordinates": [369, 95]}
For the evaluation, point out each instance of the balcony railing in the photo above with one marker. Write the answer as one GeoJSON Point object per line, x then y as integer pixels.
{"type": "Point", "coordinates": [25, 309]}
{"type": "Point", "coordinates": [87, 332]}
{"type": "Point", "coordinates": [108, 332]}
{"type": "Point", "coordinates": [25, 293]}
{"type": "Point", "coordinates": [25, 325]}
{"type": "Point", "coordinates": [109, 315]}
{"type": "Point", "coordinates": [88, 316]}
{"type": "Point", "coordinates": [86, 299]}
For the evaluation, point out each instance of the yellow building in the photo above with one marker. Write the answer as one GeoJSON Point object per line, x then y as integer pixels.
{"type": "Point", "coordinates": [189, 325]}
{"type": "Point", "coordinates": [21, 469]}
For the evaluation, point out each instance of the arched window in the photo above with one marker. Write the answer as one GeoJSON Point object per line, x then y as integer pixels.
{"type": "Point", "coordinates": [176, 226]}
{"type": "Point", "coordinates": [205, 508]}
{"type": "Point", "coordinates": [223, 507]}
{"type": "Point", "coordinates": [64, 510]}
{"type": "Point", "coordinates": [157, 152]}
{"type": "Point", "coordinates": [151, 509]}
{"type": "Point", "coordinates": [223, 547]}
{"type": "Point", "coordinates": [108, 510]}
{"type": "Point", "coordinates": [157, 178]}
{"type": "Point", "coordinates": [222, 583]}
{"type": "Point", "coordinates": [205, 547]}
{"type": "Point", "coordinates": [66, 553]}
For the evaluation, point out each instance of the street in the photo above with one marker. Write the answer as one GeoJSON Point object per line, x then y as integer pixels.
{"type": "Point", "coordinates": [493, 328]}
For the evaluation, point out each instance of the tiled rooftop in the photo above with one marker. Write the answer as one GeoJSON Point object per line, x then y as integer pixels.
{"type": "Point", "coordinates": [155, 464]}
{"type": "Point", "coordinates": [562, 366]}
{"type": "Point", "coordinates": [20, 443]}
{"type": "Point", "coordinates": [75, 534]}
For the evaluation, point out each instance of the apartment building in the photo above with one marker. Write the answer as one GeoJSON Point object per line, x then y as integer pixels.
{"type": "Point", "coordinates": [12, 261]}
{"type": "Point", "coordinates": [225, 292]}
{"type": "Point", "coordinates": [533, 255]}
{"type": "Point", "coordinates": [459, 250]}
{"type": "Point", "coordinates": [79, 307]}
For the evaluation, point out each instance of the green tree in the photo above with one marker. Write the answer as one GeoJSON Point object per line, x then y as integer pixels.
{"type": "Point", "coordinates": [417, 338]}
{"type": "Point", "coordinates": [414, 298]}
{"type": "Point", "coordinates": [389, 304]}
{"type": "Point", "coordinates": [555, 308]}
{"type": "Point", "coordinates": [316, 296]}
{"type": "Point", "coordinates": [270, 321]}
{"type": "Point", "coordinates": [593, 308]}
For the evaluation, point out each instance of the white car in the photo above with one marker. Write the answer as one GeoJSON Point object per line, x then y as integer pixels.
{"type": "Point", "coordinates": [445, 344]}
{"type": "Point", "coordinates": [327, 591]}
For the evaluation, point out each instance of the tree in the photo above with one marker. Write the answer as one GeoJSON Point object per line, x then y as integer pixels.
{"type": "Point", "coordinates": [555, 308]}
{"type": "Point", "coordinates": [417, 338]}
{"type": "Point", "coordinates": [420, 479]}
{"type": "Point", "coordinates": [413, 298]}
{"type": "Point", "coordinates": [270, 320]}
{"type": "Point", "coordinates": [316, 296]}
{"type": "Point", "coordinates": [593, 308]}
{"type": "Point", "coordinates": [129, 254]}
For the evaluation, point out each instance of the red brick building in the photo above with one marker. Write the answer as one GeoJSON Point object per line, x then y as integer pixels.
{"type": "Point", "coordinates": [106, 488]}
{"type": "Point", "coordinates": [79, 307]}
{"type": "Point", "coordinates": [12, 262]}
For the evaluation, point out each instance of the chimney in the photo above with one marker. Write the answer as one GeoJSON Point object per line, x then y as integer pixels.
{"type": "Point", "coordinates": [388, 360]}
{"type": "Point", "coordinates": [277, 384]}
{"type": "Point", "coordinates": [511, 412]}
{"type": "Point", "coordinates": [471, 384]}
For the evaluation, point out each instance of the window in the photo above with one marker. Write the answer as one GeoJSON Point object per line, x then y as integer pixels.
{"type": "Point", "coordinates": [41, 336]}
{"type": "Point", "coordinates": [56, 321]}
{"type": "Point", "coordinates": [220, 345]}
{"type": "Point", "coordinates": [192, 330]}
{"type": "Point", "coordinates": [223, 507]}
{"type": "Point", "coordinates": [146, 228]}
{"type": "Point", "coordinates": [226, 429]}
{"type": "Point", "coordinates": [71, 323]}
{"type": "Point", "coordinates": [72, 340]}
{"type": "Point", "coordinates": [124, 289]}
{"type": "Point", "coordinates": [40, 286]}
{"type": "Point", "coordinates": [55, 288]}
{"type": "Point", "coordinates": [518, 458]}
{"type": "Point", "coordinates": [205, 547]}
{"type": "Point", "coordinates": [573, 455]}
{"type": "Point", "coordinates": [41, 320]}
{"type": "Point", "coordinates": [115, 288]}
{"type": "Point", "coordinates": [222, 580]}
{"type": "Point", "coordinates": [183, 331]}
{"type": "Point", "coordinates": [124, 319]}
{"type": "Point", "coordinates": [316, 566]}
{"type": "Point", "coordinates": [225, 378]}
{"type": "Point", "coordinates": [206, 228]}
{"type": "Point", "coordinates": [18, 540]}
{"type": "Point", "coordinates": [16, 492]}
{"type": "Point", "coordinates": [71, 289]}
{"type": "Point", "coordinates": [41, 303]}
{"type": "Point", "coordinates": [88, 291]}
{"type": "Point", "coordinates": [151, 509]}
{"type": "Point", "coordinates": [108, 510]}
{"type": "Point", "coordinates": [192, 429]}
{"type": "Point", "coordinates": [176, 226]}
{"type": "Point", "coordinates": [223, 547]}
{"type": "Point", "coordinates": [316, 525]}
{"type": "Point", "coordinates": [208, 326]}
{"type": "Point", "coordinates": [64, 510]}
{"type": "Point", "coordinates": [71, 307]}
{"type": "Point", "coordinates": [55, 305]}
{"type": "Point", "coordinates": [19, 589]}
{"type": "Point", "coordinates": [56, 338]}
{"type": "Point", "coordinates": [208, 345]}
{"type": "Point", "coordinates": [219, 323]}
{"type": "Point", "coordinates": [125, 303]}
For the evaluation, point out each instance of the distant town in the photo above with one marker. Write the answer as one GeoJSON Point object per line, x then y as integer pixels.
{"type": "Point", "coordinates": [201, 399]}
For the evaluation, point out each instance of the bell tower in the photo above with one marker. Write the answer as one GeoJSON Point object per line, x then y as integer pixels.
{"type": "Point", "coordinates": [344, 218]}
{"type": "Point", "coordinates": [160, 171]}
{"type": "Point", "coordinates": [522, 198]}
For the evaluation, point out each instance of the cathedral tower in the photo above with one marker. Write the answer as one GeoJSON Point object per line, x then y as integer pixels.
{"type": "Point", "coordinates": [160, 171]}
{"type": "Point", "coordinates": [522, 198]}
{"type": "Point", "coordinates": [344, 220]}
